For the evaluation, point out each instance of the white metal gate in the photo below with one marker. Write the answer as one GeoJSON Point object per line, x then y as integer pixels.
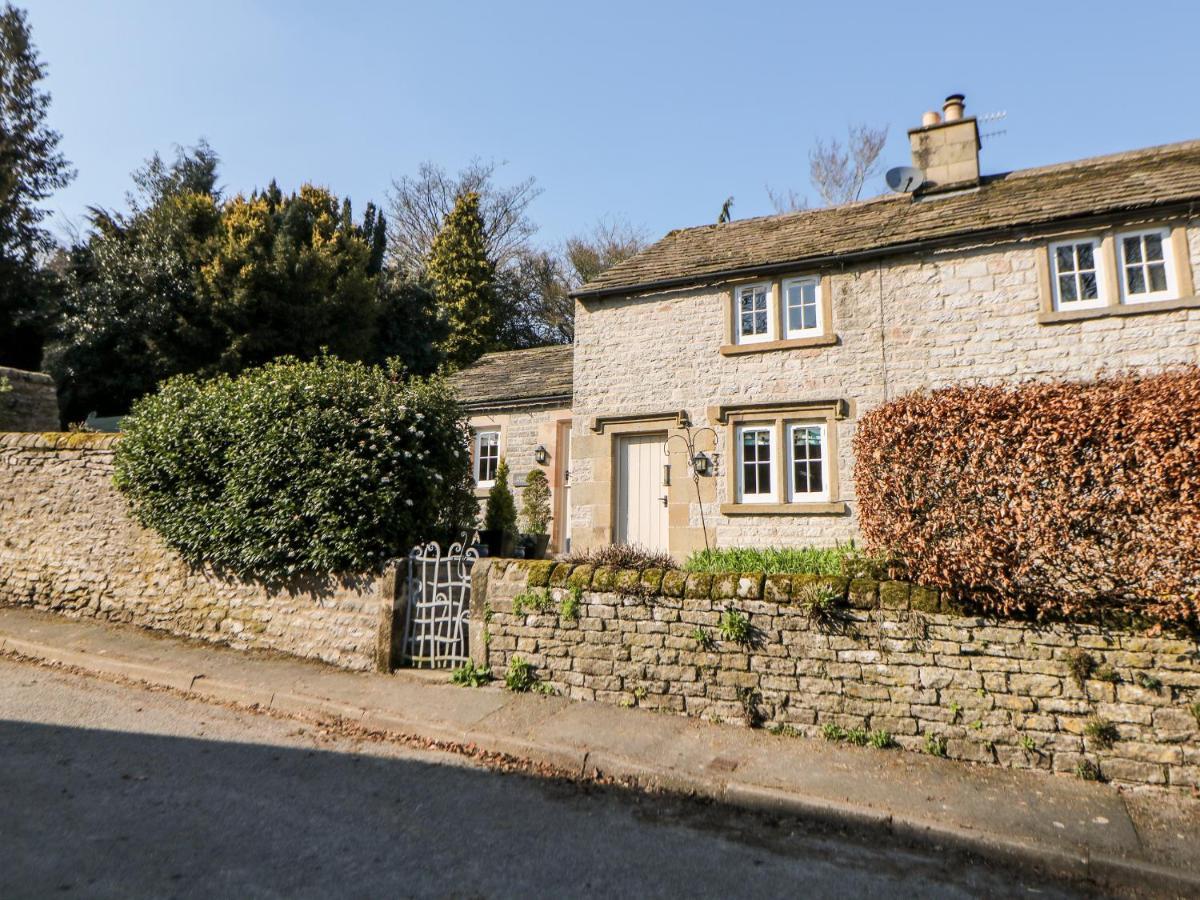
{"type": "Point", "coordinates": [438, 591]}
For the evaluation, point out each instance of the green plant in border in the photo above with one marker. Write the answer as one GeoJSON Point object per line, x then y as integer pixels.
{"type": "Point", "coordinates": [1087, 770]}
{"type": "Point", "coordinates": [935, 745]}
{"type": "Point", "coordinates": [536, 599]}
{"type": "Point", "coordinates": [521, 677]}
{"type": "Point", "coordinates": [470, 675]}
{"type": "Point", "coordinates": [833, 732]}
{"type": "Point", "coordinates": [569, 607]}
{"type": "Point", "coordinates": [703, 639]}
{"type": "Point", "coordinates": [734, 627]}
{"type": "Point", "coordinates": [1103, 732]}
{"type": "Point", "coordinates": [859, 737]}
{"type": "Point", "coordinates": [881, 739]}
{"type": "Point", "coordinates": [1028, 744]}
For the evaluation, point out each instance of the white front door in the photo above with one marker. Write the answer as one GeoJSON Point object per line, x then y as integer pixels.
{"type": "Point", "coordinates": [565, 512]}
{"type": "Point", "coordinates": [641, 494]}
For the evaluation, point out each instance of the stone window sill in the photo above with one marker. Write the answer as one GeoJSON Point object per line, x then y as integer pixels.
{"type": "Point", "coordinates": [1054, 317]}
{"type": "Point", "coordinates": [821, 340]}
{"type": "Point", "coordinates": [831, 508]}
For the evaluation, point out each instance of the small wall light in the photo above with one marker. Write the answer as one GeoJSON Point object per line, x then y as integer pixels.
{"type": "Point", "coordinates": [540, 456]}
{"type": "Point", "coordinates": [700, 464]}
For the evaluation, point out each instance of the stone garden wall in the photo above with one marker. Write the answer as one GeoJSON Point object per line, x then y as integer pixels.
{"type": "Point", "coordinates": [68, 545]}
{"type": "Point", "coordinates": [30, 404]}
{"type": "Point", "coordinates": [885, 657]}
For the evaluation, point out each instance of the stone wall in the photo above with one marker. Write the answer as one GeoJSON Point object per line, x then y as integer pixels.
{"type": "Point", "coordinates": [31, 404]}
{"type": "Point", "coordinates": [965, 315]}
{"type": "Point", "coordinates": [891, 657]}
{"type": "Point", "coordinates": [68, 545]}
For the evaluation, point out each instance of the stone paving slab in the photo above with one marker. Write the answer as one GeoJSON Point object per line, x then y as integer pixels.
{"type": "Point", "coordinates": [1064, 825]}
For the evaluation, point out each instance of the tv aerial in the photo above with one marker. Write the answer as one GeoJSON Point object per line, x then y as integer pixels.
{"type": "Point", "coordinates": [904, 179]}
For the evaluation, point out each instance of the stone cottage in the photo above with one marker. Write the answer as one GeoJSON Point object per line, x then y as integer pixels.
{"type": "Point", "coordinates": [519, 404]}
{"type": "Point", "coordinates": [753, 347]}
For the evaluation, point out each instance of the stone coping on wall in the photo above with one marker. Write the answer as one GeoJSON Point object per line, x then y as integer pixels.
{"type": "Point", "coordinates": [24, 375]}
{"type": "Point", "coordinates": [855, 593]}
{"type": "Point", "coordinates": [57, 440]}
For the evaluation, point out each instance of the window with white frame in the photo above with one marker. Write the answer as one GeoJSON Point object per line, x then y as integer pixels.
{"type": "Point", "coordinates": [1145, 266]}
{"type": "Point", "coordinates": [755, 463]}
{"type": "Point", "coordinates": [753, 312]}
{"type": "Point", "coordinates": [801, 307]}
{"type": "Point", "coordinates": [1076, 277]}
{"type": "Point", "coordinates": [807, 460]}
{"type": "Point", "coordinates": [487, 456]}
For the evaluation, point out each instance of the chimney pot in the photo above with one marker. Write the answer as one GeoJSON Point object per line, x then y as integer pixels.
{"type": "Point", "coordinates": [930, 118]}
{"type": "Point", "coordinates": [952, 109]}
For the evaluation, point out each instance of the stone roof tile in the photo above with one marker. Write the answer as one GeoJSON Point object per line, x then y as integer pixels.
{"type": "Point", "coordinates": [1137, 180]}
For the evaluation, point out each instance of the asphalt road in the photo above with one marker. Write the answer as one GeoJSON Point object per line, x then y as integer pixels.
{"type": "Point", "coordinates": [108, 790]}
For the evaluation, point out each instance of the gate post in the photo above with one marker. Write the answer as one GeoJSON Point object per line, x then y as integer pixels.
{"type": "Point", "coordinates": [477, 621]}
{"type": "Point", "coordinates": [392, 602]}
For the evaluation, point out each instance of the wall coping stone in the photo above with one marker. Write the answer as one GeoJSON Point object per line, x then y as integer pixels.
{"type": "Point", "coordinates": [57, 440]}
{"type": "Point", "coordinates": [785, 590]}
{"type": "Point", "coordinates": [26, 376]}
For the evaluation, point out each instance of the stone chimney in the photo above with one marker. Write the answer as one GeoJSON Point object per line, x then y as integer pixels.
{"type": "Point", "coordinates": [946, 147]}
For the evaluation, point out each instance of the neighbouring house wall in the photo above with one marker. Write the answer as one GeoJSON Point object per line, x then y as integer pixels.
{"type": "Point", "coordinates": [897, 658]}
{"type": "Point", "coordinates": [68, 545]}
{"type": "Point", "coordinates": [522, 430]}
{"type": "Point", "coordinates": [31, 404]}
{"type": "Point", "coordinates": [952, 317]}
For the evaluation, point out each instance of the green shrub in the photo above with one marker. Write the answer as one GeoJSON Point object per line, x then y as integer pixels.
{"type": "Point", "coordinates": [297, 467]}
{"type": "Point", "coordinates": [501, 514]}
{"type": "Point", "coordinates": [535, 503]}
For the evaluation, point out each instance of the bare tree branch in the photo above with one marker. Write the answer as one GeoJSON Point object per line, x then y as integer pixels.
{"type": "Point", "coordinates": [419, 204]}
{"type": "Point", "coordinates": [839, 173]}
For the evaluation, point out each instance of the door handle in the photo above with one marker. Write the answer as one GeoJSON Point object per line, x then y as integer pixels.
{"type": "Point", "coordinates": [663, 498]}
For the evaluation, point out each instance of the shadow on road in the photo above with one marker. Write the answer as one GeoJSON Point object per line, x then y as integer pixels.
{"type": "Point", "coordinates": [114, 813]}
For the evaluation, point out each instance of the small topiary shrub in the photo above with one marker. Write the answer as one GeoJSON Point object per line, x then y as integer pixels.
{"type": "Point", "coordinates": [1043, 499]}
{"type": "Point", "coordinates": [535, 503]}
{"type": "Point", "coordinates": [297, 468]}
{"type": "Point", "coordinates": [501, 513]}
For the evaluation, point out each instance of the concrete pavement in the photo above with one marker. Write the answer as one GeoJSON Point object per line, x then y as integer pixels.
{"type": "Point", "coordinates": [1061, 825]}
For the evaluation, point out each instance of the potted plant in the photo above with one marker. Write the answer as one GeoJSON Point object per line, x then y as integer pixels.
{"type": "Point", "coordinates": [499, 532]}
{"type": "Point", "coordinates": [535, 513]}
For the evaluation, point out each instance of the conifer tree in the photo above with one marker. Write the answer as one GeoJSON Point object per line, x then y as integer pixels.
{"type": "Point", "coordinates": [31, 169]}
{"type": "Point", "coordinates": [501, 512]}
{"type": "Point", "coordinates": [464, 283]}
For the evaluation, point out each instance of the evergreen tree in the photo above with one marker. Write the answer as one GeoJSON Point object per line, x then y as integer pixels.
{"type": "Point", "coordinates": [464, 283]}
{"type": "Point", "coordinates": [535, 503]}
{"type": "Point", "coordinates": [501, 514]}
{"type": "Point", "coordinates": [31, 169]}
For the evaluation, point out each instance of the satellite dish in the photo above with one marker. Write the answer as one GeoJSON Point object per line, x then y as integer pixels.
{"type": "Point", "coordinates": [904, 179]}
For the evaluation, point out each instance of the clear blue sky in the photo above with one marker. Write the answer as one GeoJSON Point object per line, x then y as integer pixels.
{"type": "Point", "coordinates": [650, 111]}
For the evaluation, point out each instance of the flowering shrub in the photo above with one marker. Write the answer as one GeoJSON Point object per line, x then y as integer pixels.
{"type": "Point", "coordinates": [1065, 499]}
{"type": "Point", "coordinates": [297, 467]}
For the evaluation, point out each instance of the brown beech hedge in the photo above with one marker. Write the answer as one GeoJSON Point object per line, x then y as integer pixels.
{"type": "Point", "coordinates": [1071, 500]}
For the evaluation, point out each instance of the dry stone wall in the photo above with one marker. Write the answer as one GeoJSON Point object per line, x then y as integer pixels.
{"type": "Point", "coordinates": [890, 657]}
{"type": "Point", "coordinates": [68, 545]}
{"type": "Point", "coordinates": [30, 403]}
